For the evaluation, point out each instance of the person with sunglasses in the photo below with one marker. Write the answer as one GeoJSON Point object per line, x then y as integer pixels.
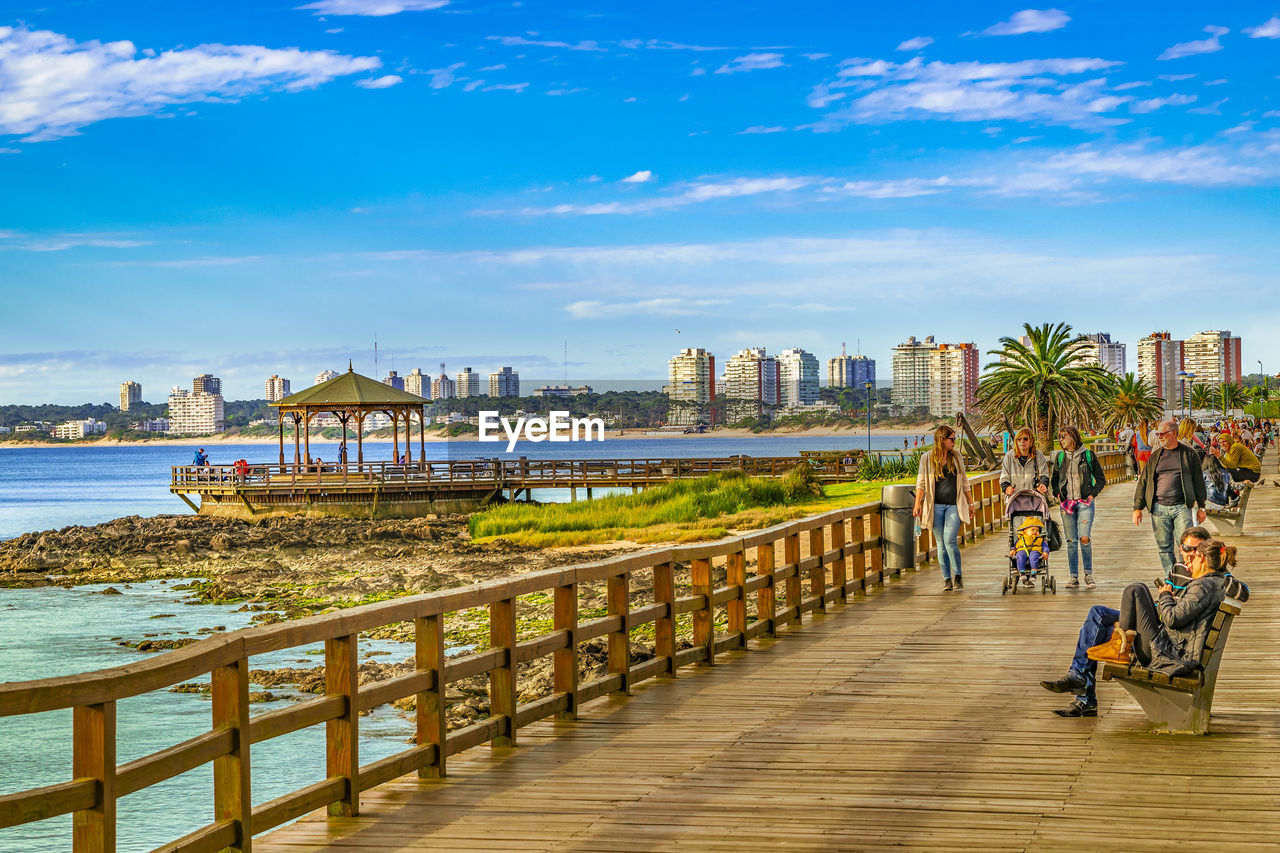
{"type": "Point", "coordinates": [1170, 487]}
{"type": "Point", "coordinates": [1077, 479]}
{"type": "Point", "coordinates": [1082, 678]}
{"type": "Point", "coordinates": [943, 501]}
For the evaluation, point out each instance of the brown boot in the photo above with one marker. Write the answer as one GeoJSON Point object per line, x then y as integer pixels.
{"type": "Point", "coordinates": [1119, 649]}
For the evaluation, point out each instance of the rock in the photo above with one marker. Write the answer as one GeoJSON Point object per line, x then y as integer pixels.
{"type": "Point", "coordinates": [163, 645]}
{"type": "Point", "coordinates": [111, 590]}
{"type": "Point", "coordinates": [183, 548]}
{"type": "Point", "coordinates": [220, 542]}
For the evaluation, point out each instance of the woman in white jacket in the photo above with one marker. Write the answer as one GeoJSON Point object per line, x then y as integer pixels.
{"type": "Point", "coordinates": [943, 500]}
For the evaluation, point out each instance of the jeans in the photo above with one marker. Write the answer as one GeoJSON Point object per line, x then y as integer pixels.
{"type": "Point", "coordinates": [1075, 529]}
{"type": "Point", "coordinates": [946, 532]}
{"type": "Point", "coordinates": [1169, 523]}
{"type": "Point", "coordinates": [1138, 613]}
{"type": "Point", "coordinates": [1096, 630]}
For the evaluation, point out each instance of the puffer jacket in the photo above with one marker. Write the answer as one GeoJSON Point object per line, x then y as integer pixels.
{"type": "Point", "coordinates": [1186, 620]}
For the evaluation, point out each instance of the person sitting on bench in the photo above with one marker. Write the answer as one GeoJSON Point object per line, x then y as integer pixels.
{"type": "Point", "coordinates": [1237, 460]}
{"type": "Point", "coordinates": [1081, 679]}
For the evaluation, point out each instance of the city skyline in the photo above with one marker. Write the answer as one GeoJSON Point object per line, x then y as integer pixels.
{"type": "Point", "coordinates": [271, 189]}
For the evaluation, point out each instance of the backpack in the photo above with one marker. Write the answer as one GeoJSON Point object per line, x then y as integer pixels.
{"type": "Point", "coordinates": [1088, 458]}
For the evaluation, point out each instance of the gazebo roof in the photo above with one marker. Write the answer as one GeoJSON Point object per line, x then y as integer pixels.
{"type": "Point", "coordinates": [349, 389]}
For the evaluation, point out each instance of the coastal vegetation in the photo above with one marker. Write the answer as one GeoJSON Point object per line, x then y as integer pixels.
{"type": "Point", "coordinates": [681, 511]}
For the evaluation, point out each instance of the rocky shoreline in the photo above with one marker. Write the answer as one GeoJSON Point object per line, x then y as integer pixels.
{"type": "Point", "coordinates": [289, 568]}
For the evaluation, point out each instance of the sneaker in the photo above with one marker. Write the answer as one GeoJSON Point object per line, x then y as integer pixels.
{"type": "Point", "coordinates": [1077, 709]}
{"type": "Point", "coordinates": [1088, 580]}
{"type": "Point", "coordinates": [947, 585]}
{"type": "Point", "coordinates": [1069, 683]}
{"type": "Point", "coordinates": [959, 582]}
{"type": "Point", "coordinates": [1074, 583]}
{"type": "Point", "coordinates": [1028, 581]}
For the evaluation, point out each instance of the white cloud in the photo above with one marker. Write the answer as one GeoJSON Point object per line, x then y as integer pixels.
{"type": "Point", "coordinates": [1175, 78]}
{"type": "Point", "coordinates": [1192, 48]}
{"type": "Point", "coordinates": [371, 8]}
{"type": "Point", "coordinates": [697, 72]}
{"type": "Point", "coordinates": [814, 57]}
{"type": "Point", "coordinates": [499, 67]}
{"type": "Point", "coordinates": [967, 91]}
{"type": "Point", "coordinates": [592, 309]}
{"type": "Point", "coordinates": [559, 92]}
{"type": "Point", "coordinates": [1136, 84]}
{"type": "Point", "coordinates": [62, 242]}
{"type": "Point", "coordinates": [759, 128]}
{"type": "Point", "coordinates": [917, 43]}
{"type": "Point", "coordinates": [1267, 114]}
{"type": "Point", "coordinates": [384, 82]}
{"type": "Point", "coordinates": [51, 86]}
{"type": "Point", "coordinates": [752, 62]}
{"type": "Point", "coordinates": [1153, 104]}
{"type": "Point", "coordinates": [659, 44]}
{"type": "Point", "coordinates": [1197, 165]}
{"type": "Point", "coordinates": [1220, 82]}
{"type": "Point", "coordinates": [644, 176]}
{"type": "Point", "coordinates": [521, 41]}
{"type": "Point", "coordinates": [1269, 29]}
{"type": "Point", "coordinates": [506, 87]}
{"type": "Point", "coordinates": [1029, 21]}
{"type": "Point", "coordinates": [443, 78]}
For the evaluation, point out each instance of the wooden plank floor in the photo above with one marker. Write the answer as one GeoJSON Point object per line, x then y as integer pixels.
{"type": "Point", "coordinates": [908, 720]}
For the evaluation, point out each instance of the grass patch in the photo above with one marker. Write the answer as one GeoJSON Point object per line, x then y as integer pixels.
{"type": "Point", "coordinates": [693, 510]}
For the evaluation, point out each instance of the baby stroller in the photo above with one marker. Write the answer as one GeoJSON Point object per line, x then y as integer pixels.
{"type": "Point", "coordinates": [1028, 506]}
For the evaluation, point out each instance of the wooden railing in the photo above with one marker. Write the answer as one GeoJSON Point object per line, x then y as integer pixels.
{"type": "Point", "coordinates": [489, 472]}
{"type": "Point", "coordinates": [708, 599]}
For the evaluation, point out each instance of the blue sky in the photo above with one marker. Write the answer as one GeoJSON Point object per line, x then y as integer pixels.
{"type": "Point", "coordinates": [265, 187]}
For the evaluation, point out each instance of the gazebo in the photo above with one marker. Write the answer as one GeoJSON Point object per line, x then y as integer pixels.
{"type": "Point", "coordinates": [349, 397]}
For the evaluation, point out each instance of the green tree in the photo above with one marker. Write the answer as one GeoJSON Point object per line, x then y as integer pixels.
{"type": "Point", "coordinates": [1046, 382]}
{"type": "Point", "coordinates": [1233, 397]}
{"type": "Point", "coordinates": [1133, 403]}
{"type": "Point", "coordinates": [1202, 396]}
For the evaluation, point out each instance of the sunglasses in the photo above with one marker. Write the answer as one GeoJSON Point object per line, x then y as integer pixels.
{"type": "Point", "coordinates": [1188, 549]}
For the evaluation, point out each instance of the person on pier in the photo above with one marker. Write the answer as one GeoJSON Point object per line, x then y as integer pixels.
{"type": "Point", "coordinates": [943, 501]}
{"type": "Point", "coordinates": [1077, 479]}
{"type": "Point", "coordinates": [1171, 488]}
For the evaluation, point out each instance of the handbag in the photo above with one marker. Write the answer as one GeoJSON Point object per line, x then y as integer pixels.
{"type": "Point", "coordinates": [1055, 535]}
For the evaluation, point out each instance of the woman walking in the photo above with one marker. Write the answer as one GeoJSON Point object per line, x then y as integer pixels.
{"type": "Point", "coordinates": [943, 499]}
{"type": "Point", "coordinates": [1077, 479]}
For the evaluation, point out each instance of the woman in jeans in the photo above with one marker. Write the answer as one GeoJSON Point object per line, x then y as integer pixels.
{"type": "Point", "coordinates": [1077, 479]}
{"type": "Point", "coordinates": [943, 498]}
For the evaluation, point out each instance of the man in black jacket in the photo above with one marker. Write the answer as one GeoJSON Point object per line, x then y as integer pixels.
{"type": "Point", "coordinates": [1170, 487]}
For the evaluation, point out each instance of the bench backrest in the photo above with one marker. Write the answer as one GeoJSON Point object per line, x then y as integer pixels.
{"type": "Point", "coordinates": [1217, 638]}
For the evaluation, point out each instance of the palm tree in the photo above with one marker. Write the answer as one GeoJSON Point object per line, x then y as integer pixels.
{"type": "Point", "coordinates": [1202, 396]}
{"type": "Point", "coordinates": [1233, 397]}
{"type": "Point", "coordinates": [1046, 382]}
{"type": "Point", "coordinates": [1134, 403]}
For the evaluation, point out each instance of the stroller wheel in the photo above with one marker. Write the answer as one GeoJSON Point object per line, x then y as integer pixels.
{"type": "Point", "coordinates": [1053, 585]}
{"type": "Point", "coordinates": [1013, 587]}
{"type": "Point", "coordinates": [1004, 585]}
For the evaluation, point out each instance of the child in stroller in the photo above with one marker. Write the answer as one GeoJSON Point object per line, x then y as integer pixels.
{"type": "Point", "coordinates": [1030, 551]}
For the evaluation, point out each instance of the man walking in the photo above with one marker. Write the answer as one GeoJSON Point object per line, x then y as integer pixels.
{"type": "Point", "coordinates": [1170, 487]}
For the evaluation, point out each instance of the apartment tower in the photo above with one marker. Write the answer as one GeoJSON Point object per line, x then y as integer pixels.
{"type": "Point", "coordinates": [911, 364]}
{"type": "Point", "coordinates": [1160, 358]}
{"type": "Point", "coordinates": [130, 393]}
{"type": "Point", "coordinates": [504, 382]}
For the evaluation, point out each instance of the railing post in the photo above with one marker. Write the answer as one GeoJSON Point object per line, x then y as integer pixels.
{"type": "Point", "coordinates": [791, 554]}
{"type": "Point", "coordinates": [664, 627]}
{"type": "Point", "coordinates": [877, 550]}
{"type": "Point", "coordinates": [565, 661]}
{"type": "Point", "coordinates": [765, 601]}
{"type": "Point", "coordinates": [617, 600]}
{"type": "Point", "coordinates": [818, 574]}
{"type": "Point", "coordinates": [342, 736]}
{"type": "Point", "coordinates": [704, 632]}
{"type": "Point", "coordinates": [839, 563]}
{"type": "Point", "coordinates": [428, 632]}
{"type": "Point", "coordinates": [232, 798]}
{"type": "Point", "coordinates": [94, 757]}
{"type": "Point", "coordinates": [736, 578]}
{"type": "Point", "coordinates": [859, 566]}
{"type": "Point", "coordinates": [502, 679]}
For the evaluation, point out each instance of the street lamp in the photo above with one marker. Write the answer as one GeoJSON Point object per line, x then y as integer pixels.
{"type": "Point", "coordinates": [868, 386]}
{"type": "Point", "coordinates": [1262, 406]}
{"type": "Point", "coordinates": [1182, 377]}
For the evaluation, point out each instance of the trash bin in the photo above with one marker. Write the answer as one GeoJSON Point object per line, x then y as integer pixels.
{"type": "Point", "coordinates": [897, 527]}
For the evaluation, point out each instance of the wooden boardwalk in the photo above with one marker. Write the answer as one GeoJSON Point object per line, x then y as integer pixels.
{"type": "Point", "coordinates": [909, 719]}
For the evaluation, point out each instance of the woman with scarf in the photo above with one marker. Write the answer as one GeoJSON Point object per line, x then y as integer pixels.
{"type": "Point", "coordinates": [1077, 479]}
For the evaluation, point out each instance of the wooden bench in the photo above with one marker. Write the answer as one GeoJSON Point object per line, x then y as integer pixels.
{"type": "Point", "coordinates": [1179, 704]}
{"type": "Point", "coordinates": [1233, 516]}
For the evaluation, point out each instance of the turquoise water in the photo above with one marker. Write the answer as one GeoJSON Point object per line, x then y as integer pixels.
{"type": "Point", "coordinates": [53, 631]}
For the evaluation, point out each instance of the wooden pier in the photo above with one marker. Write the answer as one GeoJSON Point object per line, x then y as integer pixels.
{"type": "Point", "coordinates": [847, 709]}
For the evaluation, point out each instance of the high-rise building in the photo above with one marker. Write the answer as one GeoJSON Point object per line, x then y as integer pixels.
{"type": "Point", "coordinates": [395, 380]}
{"type": "Point", "coordinates": [195, 413]}
{"type": "Point", "coordinates": [417, 383]}
{"type": "Point", "coordinates": [504, 382]}
{"type": "Point", "coordinates": [692, 375]}
{"type": "Point", "coordinates": [1213, 356]}
{"type": "Point", "coordinates": [953, 379]}
{"type": "Point", "coordinates": [130, 393]}
{"type": "Point", "coordinates": [468, 383]}
{"type": "Point", "coordinates": [911, 364]}
{"type": "Point", "coordinates": [206, 383]}
{"type": "Point", "coordinates": [1107, 353]}
{"type": "Point", "coordinates": [277, 388]}
{"type": "Point", "coordinates": [442, 388]}
{"type": "Point", "coordinates": [752, 375]}
{"type": "Point", "coordinates": [1160, 358]}
{"type": "Point", "coordinates": [325, 376]}
{"type": "Point", "coordinates": [850, 371]}
{"type": "Point", "coordinates": [797, 377]}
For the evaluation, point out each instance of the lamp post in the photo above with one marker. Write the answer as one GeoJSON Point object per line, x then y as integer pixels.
{"type": "Point", "coordinates": [1262, 405]}
{"type": "Point", "coordinates": [1182, 377]}
{"type": "Point", "coordinates": [868, 386]}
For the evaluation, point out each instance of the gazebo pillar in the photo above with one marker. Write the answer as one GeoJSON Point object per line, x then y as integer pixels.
{"type": "Point", "coordinates": [422, 437]}
{"type": "Point", "coordinates": [306, 418]}
{"type": "Point", "coordinates": [281, 420]}
{"type": "Point", "coordinates": [395, 436]}
{"type": "Point", "coordinates": [342, 448]}
{"type": "Point", "coordinates": [297, 451]}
